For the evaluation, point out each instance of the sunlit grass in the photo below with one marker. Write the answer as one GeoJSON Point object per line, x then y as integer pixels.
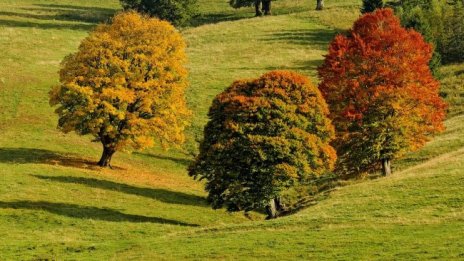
{"type": "Point", "coordinates": [55, 204]}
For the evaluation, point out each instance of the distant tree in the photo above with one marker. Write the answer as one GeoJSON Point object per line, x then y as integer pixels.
{"type": "Point", "coordinates": [266, 5]}
{"type": "Point", "coordinates": [452, 39]}
{"type": "Point", "coordinates": [383, 98]}
{"type": "Point", "coordinates": [425, 17]}
{"type": "Point", "coordinates": [320, 5]}
{"type": "Point", "coordinates": [178, 12]}
{"type": "Point", "coordinates": [441, 23]}
{"type": "Point", "coordinates": [371, 5]}
{"type": "Point", "coordinates": [410, 4]}
{"type": "Point", "coordinates": [263, 137]}
{"type": "Point", "coordinates": [125, 85]}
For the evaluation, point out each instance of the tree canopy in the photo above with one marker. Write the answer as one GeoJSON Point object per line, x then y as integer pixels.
{"type": "Point", "coordinates": [264, 136]}
{"type": "Point", "coordinates": [178, 12]}
{"type": "Point", "coordinates": [371, 5]}
{"type": "Point", "coordinates": [125, 85]}
{"type": "Point", "coordinates": [383, 98]}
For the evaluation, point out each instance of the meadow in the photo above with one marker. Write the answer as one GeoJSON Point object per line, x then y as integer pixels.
{"type": "Point", "coordinates": [55, 204]}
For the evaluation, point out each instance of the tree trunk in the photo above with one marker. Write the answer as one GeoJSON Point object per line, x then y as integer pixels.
{"type": "Point", "coordinates": [320, 5]}
{"type": "Point", "coordinates": [386, 167]}
{"type": "Point", "coordinates": [105, 160]}
{"type": "Point", "coordinates": [274, 208]}
{"type": "Point", "coordinates": [278, 204]}
{"type": "Point", "coordinates": [257, 8]}
{"type": "Point", "coordinates": [271, 209]}
{"type": "Point", "coordinates": [267, 7]}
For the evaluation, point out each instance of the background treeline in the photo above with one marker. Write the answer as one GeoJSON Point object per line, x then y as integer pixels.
{"type": "Point", "coordinates": [441, 22]}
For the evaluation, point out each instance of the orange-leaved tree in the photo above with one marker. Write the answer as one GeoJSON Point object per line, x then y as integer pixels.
{"type": "Point", "coordinates": [125, 85]}
{"type": "Point", "coordinates": [383, 99]}
{"type": "Point", "coordinates": [264, 137]}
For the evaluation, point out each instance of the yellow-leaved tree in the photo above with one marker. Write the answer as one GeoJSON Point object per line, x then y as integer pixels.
{"type": "Point", "coordinates": [125, 85]}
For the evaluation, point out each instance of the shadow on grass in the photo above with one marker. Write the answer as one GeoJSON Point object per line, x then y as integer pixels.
{"type": "Point", "coordinates": [163, 195]}
{"type": "Point", "coordinates": [204, 19]}
{"type": "Point", "coordinates": [41, 156]}
{"type": "Point", "coordinates": [71, 13]}
{"type": "Point", "coordinates": [86, 17]}
{"type": "Point", "coordinates": [25, 24]}
{"type": "Point", "coordinates": [313, 37]}
{"type": "Point", "coordinates": [310, 65]}
{"type": "Point", "coordinates": [180, 161]}
{"type": "Point", "coordinates": [245, 13]}
{"type": "Point", "coordinates": [80, 8]}
{"type": "Point", "coordinates": [86, 212]}
{"type": "Point", "coordinates": [459, 72]}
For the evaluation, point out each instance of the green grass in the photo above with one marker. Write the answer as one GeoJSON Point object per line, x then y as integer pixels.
{"type": "Point", "coordinates": [54, 204]}
{"type": "Point", "coordinates": [452, 88]}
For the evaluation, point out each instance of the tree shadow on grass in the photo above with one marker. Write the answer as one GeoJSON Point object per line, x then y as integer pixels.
{"type": "Point", "coordinates": [75, 7]}
{"type": "Point", "coordinates": [307, 66]}
{"type": "Point", "coordinates": [310, 65]}
{"type": "Point", "coordinates": [163, 195]}
{"type": "Point", "coordinates": [459, 72]}
{"type": "Point", "coordinates": [204, 19]}
{"type": "Point", "coordinates": [312, 37]}
{"type": "Point", "coordinates": [41, 156]}
{"type": "Point", "coordinates": [180, 161]}
{"type": "Point", "coordinates": [25, 24]}
{"type": "Point", "coordinates": [92, 15]}
{"type": "Point", "coordinates": [84, 18]}
{"type": "Point", "coordinates": [243, 13]}
{"type": "Point", "coordinates": [87, 212]}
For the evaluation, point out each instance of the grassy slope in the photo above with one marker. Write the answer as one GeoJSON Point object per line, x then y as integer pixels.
{"type": "Point", "coordinates": [54, 204]}
{"type": "Point", "coordinates": [416, 214]}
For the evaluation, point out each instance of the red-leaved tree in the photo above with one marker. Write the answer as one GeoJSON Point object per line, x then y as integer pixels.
{"type": "Point", "coordinates": [383, 99]}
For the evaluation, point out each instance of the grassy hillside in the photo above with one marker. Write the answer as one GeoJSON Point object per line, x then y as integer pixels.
{"type": "Point", "coordinates": [54, 204]}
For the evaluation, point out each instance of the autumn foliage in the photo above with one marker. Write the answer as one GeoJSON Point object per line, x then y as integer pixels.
{"type": "Point", "coordinates": [125, 85]}
{"type": "Point", "coordinates": [263, 136]}
{"type": "Point", "coordinates": [383, 99]}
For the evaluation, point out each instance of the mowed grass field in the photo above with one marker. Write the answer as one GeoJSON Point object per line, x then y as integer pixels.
{"type": "Point", "coordinates": [55, 205]}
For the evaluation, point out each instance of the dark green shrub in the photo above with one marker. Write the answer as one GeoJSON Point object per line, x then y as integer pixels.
{"type": "Point", "coordinates": [370, 5]}
{"type": "Point", "coordinates": [178, 12]}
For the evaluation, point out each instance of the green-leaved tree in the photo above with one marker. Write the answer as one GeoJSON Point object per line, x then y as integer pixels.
{"type": "Point", "coordinates": [178, 12]}
{"type": "Point", "coordinates": [371, 5]}
{"type": "Point", "coordinates": [264, 136]}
